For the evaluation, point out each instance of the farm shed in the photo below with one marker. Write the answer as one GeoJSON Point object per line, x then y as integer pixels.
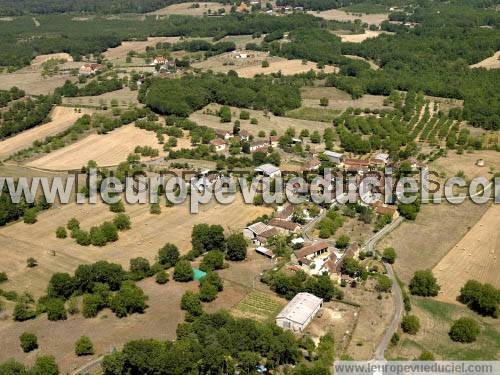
{"type": "Point", "coordinates": [299, 312]}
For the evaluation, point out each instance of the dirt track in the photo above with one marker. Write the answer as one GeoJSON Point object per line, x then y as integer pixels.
{"type": "Point", "coordinates": [62, 118]}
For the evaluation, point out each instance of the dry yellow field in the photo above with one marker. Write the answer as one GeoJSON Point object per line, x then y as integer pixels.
{"type": "Point", "coordinates": [62, 118]}
{"type": "Point", "coordinates": [339, 99]}
{"type": "Point", "coordinates": [149, 232]}
{"type": "Point", "coordinates": [106, 149]}
{"type": "Point", "coordinates": [58, 56]}
{"type": "Point", "coordinates": [125, 98]}
{"type": "Point", "coordinates": [31, 81]}
{"type": "Point", "coordinates": [340, 15]}
{"type": "Point", "coordinates": [475, 257]}
{"type": "Point", "coordinates": [121, 51]}
{"type": "Point", "coordinates": [187, 9]}
{"type": "Point", "coordinates": [451, 165]}
{"type": "Point", "coordinates": [252, 65]}
{"type": "Point", "coordinates": [358, 38]}
{"type": "Point", "coordinates": [492, 62]}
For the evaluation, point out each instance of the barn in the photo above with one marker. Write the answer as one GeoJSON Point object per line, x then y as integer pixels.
{"type": "Point", "coordinates": [299, 312]}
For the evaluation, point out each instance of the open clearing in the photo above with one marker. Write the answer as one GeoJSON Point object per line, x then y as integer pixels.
{"type": "Point", "coordinates": [358, 38]}
{"type": "Point", "coordinates": [252, 65]}
{"type": "Point", "coordinates": [266, 123]}
{"type": "Point", "coordinates": [338, 99]}
{"type": "Point", "coordinates": [62, 118]}
{"type": "Point", "coordinates": [32, 82]}
{"type": "Point", "coordinates": [188, 10]}
{"type": "Point", "coordinates": [149, 233]}
{"type": "Point", "coordinates": [492, 62]}
{"type": "Point", "coordinates": [106, 149]}
{"type": "Point", "coordinates": [123, 49]}
{"type": "Point", "coordinates": [340, 15]}
{"type": "Point", "coordinates": [436, 319]}
{"type": "Point", "coordinates": [40, 59]}
{"type": "Point", "coordinates": [451, 165]}
{"type": "Point", "coordinates": [124, 97]}
{"type": "Point", "coordinates": [475, 257]}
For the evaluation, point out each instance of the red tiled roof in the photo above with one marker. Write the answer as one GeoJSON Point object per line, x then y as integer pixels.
{"type": "Point", "coordinates": [280, 223]}
{"type": "Point", "coordinates": [311, 249]}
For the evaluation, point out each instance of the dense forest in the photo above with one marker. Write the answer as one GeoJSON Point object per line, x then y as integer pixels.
{"type": "Point", "coordinates": [20, 7]}
{"type": "Point", "coordinates": [183, 96]}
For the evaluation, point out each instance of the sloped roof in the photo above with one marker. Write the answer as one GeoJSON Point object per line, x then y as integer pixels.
{"type": "Point", "coordinates": [310, 249]}
{"type": "Point", "coordinates": [300, 308]}
{"type": "Point", "coordinates": [280, 223]}
{"type": "Point", "coordinates": [259, 228]}
{"type": "Point", "coordinates": [268, 169]}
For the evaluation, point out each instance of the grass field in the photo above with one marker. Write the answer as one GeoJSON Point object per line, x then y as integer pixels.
{"type": "Point", "coordinates": [125, 98]}
{"type": "Point", "coordinates": [358, 38]}
{"type": "Point", "coordinates": [436, 319]}
{"type": "Point", "coordinates": [188, 10]}
{"type": "Point", "coordinates": [340, 15]}
{"type": "Point", "coordinates": [62, 118]}
{"type": "Point", "coordinates": [106, 149]}
{"type": "Point", "coordinates": [259, 305]}
{"type": "Point", "coordinates": [475, 257]}
{"type": "Point", "coordinates": [125, 47]}
{"type": "Point", "coordinates": [314, 114]}
{"type": "Point", "coordinates": [338, 99]}
{"type": "Point", "coordinates": [266, 123]}
{"type": "Point", "coordinates": [31, 81]}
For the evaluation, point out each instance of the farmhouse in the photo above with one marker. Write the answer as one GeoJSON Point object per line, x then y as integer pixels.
{"type": "Point", "coordinates": [224, 134]}
{"type": "Point", "coordinates": [258, 146]}
{"type": "Point", "coordinates": [268, 170]}
{"type": "Point", "coordinates": [382, 209]}
{"type": "Point", "coordinates": [219, 144]}
{"type": "Point", "coordinates": [382, 158]}
{"type": "Point", "coordinates": [299, 312]}
{"type": "Point", "coordinates": [88, 69]}
{"type": "Point", "coordinates": [159, 60]}
{"type": "Point", "coordinates": [311, 251]}
{"type": "Point", "coordinates": [274, 141]}
{"type": "Point", "coordinates": [285, 212]}
{"type": "Point", "coordinates": [259, 232]}
{"type": "Point", "coordinates": [334, 157]}
{"type": "Point", "coordinates": [285, 226]}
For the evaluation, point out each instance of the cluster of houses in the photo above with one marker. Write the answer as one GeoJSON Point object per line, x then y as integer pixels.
{"type": "Point", "coordinates": [224, 136]}
{"type": "Point", "coordinates": [163, 62]}
{"type": "Point", "coordinates": [90, 68]}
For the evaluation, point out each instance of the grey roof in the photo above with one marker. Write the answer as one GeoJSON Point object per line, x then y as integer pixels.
{"type": "Point", "coordinates": [333, 154]}
{"type": "Point", "coordinates": [300, 308]}
{"type": "Point", "coordinates": [268, 169]}
{"type": "Point", "coordinates": [259, 228]}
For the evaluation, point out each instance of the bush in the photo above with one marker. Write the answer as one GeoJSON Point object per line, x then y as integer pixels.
{"type": "Point", "coordinates": [191, 303]}
{"type": "Point", "coordinates": [225, 114]}
{"type": "Point", "coordinates": [29, 342]}
{"type": "Point", "coordinates": [161, 277]}
{"type": "Point", "coordinates": [155, 209]}
{"type": "Point", "coordinates": [183, 271]}
{"type": "Point", "coordinates": [82, 237]}
{"type": "Point", "coordinates": [410, 324]}
{"type": "Point", "coordinates": [424, 284]}
{"type": "Point", "coordinates": [464, 330]}
{"type": "Point", "coordinates": [84, 346]}
{"type": "Point", "coordinates": [208, 292]}
{"type": "Point", "coordinates": [3, 277]}
{"type": "Point", "coordinates": [342, 242]}
{"type": "Point", "coordinates": [140, 268]}
{"type": "Point", "coordinates": [244, 115]}
{"type": "Point", "coordinates": [122, 222]}
{"type": "Point", "coordinates": [30, 216]}
{"type": "Point", "coordinates": [213, 260]}
{"type": "Point", "coordinates": [45, 365]}
{"type": "Point", "coordinates": [214, 279]}
{"type": "Point", "coordinates": [254, 121]}
{"type": "Point", "coordinates": [389, 255]}
{"type": "Point", "coordinates": [265, 64]}
{"type": "Point", "coordinates": [129, 299]}
{"type": "Point", "coordinates": [97, 237]}
{"type": "Point", "coordinates": [482, 298]}
{"type": "Point", "coordinates": [23, 312]}
{"type": "Point", "coordinates": [426, 356]}
{"type": "Point", "coordinates": [73, 224]}
{"type": "Point", "coordinates": [168, 255]}
{"type": "Point", "coordinates": [395, 338]}
{"type": "Point", "coordinates": [110, 231]}
{"type": "Point", "coordinates": [117, 207]}
{"type": "Point", "coordinates": [55, 309]}
{"type": "Point", "coordinates": [323, 102]}
{"type": "Point", "coordinates": [384, 283]}
{"type": "Point", "coordinates": [61, 232]}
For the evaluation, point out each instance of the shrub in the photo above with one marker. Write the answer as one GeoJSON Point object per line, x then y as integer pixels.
{"type": "Point", "coordinates": [395, 338]}
{"type": "Point", "coordinates": [29, 342]}
{"type": "Point", "coordinates": [55, 309]}
{"type": "Point", "coordinates": [342, 242]}
{"type": "Point", "coordinates": [426, 356]}
{"type": "Point", "coordinates": [323, 102]}
{"type": "Point", "coordinates": [161, 277]}
{"type": "Point", "coordinates": [482, 298]}
{"type": "Point", "coordinates": [84, 346]}
{"type": "Point", "coordinates": [214, 279]}
{"type": "Point", "coordinates": [183, 271]}
{"type": "Point", "coordinates": [61, 285]}
{"type": "Point", "coordinates": [97, 237]}
{"type": "Point", "coordinates": [191, 303]}
{"type": "Point", "coordinates": [82, 237]}
{"type": "Point", "coordinates": [265, 64]}
{"type": "Point", "coordinates": [61, 232]}
{"type": "Point", "coordinates": [23, 312]}
{"type": "Point", "coordinates": [168, 255]}
{"type": "Point", "coordinates": [410, 324]}
{"type": "Point", "coordinates": [122, 222]}
{"type": "Point", "coordinates": [45, 365]}
{"type": "Point", "coordinates": [155, 209]}
{"type": "Point", "coordinates": [424, 284]}
{"type": "Point", "coordinates": [225, 114]}
{"type": "Point", "coordinates": [129, 299]}
{"type": "Point", "coordinates": [73, 224]}
{"type": "Point", "coordinates": [30, 216]}
{"type": "Point", "coordinates": [208, 292]}
{"type": "Point", "coordinates": [254, 121]}
{"type": "Point", "coordinates": [384, 283]}
{"type": "Point", "coordinates": [3, 277]}
{"type": "Point", "coordinates": [464, 330]}
{"type": "Point", "coordinates": [117, 207]}
{"type": "Point", "coordinates": [110, 231]}
{"type": "Point", "coordinates": [389, 255]}
{"type": "Point", "coordinates": [140, 268]}
{"type": "Point", "coordinates": [244, 115]}
{"type": "Point", "coordinates": [213, 260]}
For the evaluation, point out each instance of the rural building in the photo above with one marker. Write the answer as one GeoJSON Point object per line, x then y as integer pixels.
{"type": "Point", "coordinates": [88, 69]}
{"type": "Point", "coordinates": [258, 146]}
{"type": "Point", "coordinates": [268, 170]}
{"type": "Point", "coordinates": [285, 212]}
{"type": "Point", "coordinates": [159, 60]}
{"type": "Point", "coordinates": [224, 134]}
{"type": "Point", "coordinates": [219, 144]}
{"type": "Point", "coordinates": [285, 226]}
{"type": "Point", "coordinates": [265, 251]}
{"type": "Point", "coordinates": [334, 157]}
{"type": "Point", "coordinates": [274, 140]}
{"type": "Point", "coordinates": [311, 251]}
{"type": "Point", "coordinates": [312, 164]}
{"type": "Point", "coordinates": [381, 158]}
{"type": "Point", "coordinates": [382, 209]}
{"type": "Point", "coordinates": [259, 232]}
{"type": "Point", "coordinates": [244, 135]}
{"type": "Point", "coordinates": [299, 312]}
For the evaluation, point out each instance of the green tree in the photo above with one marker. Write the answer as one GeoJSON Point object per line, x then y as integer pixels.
{"type": "Point", "coordinates": [191, 303]}
{"type": "Point", "coordinates": [183, 271]}
{"type": "Point", "coordinates": [208, 292]}
{"type": "Point", "coordinates": [424, 284]}
{"type": "Point", "coordinates": [61, 285]}
{"type": "Point", "coordinates": [30, 216]}
{"type": "Point", "coordinates": [45, 365]}
{"type": "Point", "coordinates": [55, 309]}
{"type": "Point", "coordinates": [464, 330]}
{"type": "Point", "coordinates": [23, 312]}
{"type": "Point", "coordinates": [29, 342]}
{"type": "Point", "coordinates": [410, 324]}
{"type": "Point", "coordinates": [206, 237]}
{"type": "Point", "coordinates": [84, 346]}
{"type": "Point", "coordinates": [168, 255]}
{"type": "Point", "coordinates": [244, 115]}
{"type": "Point", "coordinates": [482, 298]}
{"type": "Point", "coordinates": [73, 224]}
{"type": "Point", "coordinates": [323, 102]}
{"type": "Point", "coordinates": [342, 242]}
{"type": "Point", "coordinates": [129, 299]}
{"type": "Point", "coordinates": [213, 260]}
{"type": "Point", "coordinates": [61, 232]}
{"type": "Point", "coordinates": [384, 283]}
{"type": "Point", "coordinates": [236, 247]}
{"type": "Point", "coordinates": [389, 255]}
{"type": "Point", "coordinates": [122, 222]}
{"type": "Point", "coordinates": [161, 277]}
{"type": "Point", "coordinates": [225, 114]}
{"type": "Point", "coordinates": [140, 268]}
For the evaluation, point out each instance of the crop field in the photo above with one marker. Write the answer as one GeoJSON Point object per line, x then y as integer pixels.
{"type": "Point", "coordinates": [149, 233]}
{"type": "Point", "coordinates": [466, 162]}
{"type": "Point", "coordinates": [31, 81]}
{"type": "Point", "coordinates": [340, 15]}
{"type": "Point", "coordinates": [358, 38]}
{"type": "Point", "coordinates": [106, 149]}
{"type": "Point", "coordinates": [62, 118]}
{"type": "Point", "coordinates": [314, 114]}
{"type": "Point", "coordinates": [58, 56]}
{"type": "Point", "coordinates": [475, 257]}
{"type": "Point", "coordinates": [265, 122]}
{"type": "Point", "coordinates": [125, 97]}
{"type": "Point", "coordinates": [188, 10]}
{"type": "Point", "coordinates": [436, 319]}
{"type": "Point", "coordinates": [125, 47]}
{"type": "Point", "coordinates": [492, 62]}
{"type": "Point", "coordinates": [252, 65]}
{"type": "Point", "coordinates": [259, 305]}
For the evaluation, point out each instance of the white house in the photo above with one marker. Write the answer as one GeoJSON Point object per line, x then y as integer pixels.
{"type": "Point", "coordinates": [382, 158]}
{"type": "Point", "coordinates": [219, 144]}
{"type": "Point", "coordinates": [268, 170]}
{"type": "Point", "coordinates": [259, 146]}
{"type": "Point", "coordinates": [334, 157]}
{"type": "Point", "coordinates": [88, 69]}
{"type": "Point", "coordinates": [299, 312]}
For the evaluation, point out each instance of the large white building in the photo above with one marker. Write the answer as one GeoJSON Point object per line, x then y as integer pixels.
{"type": "Point", "coordinates": [299, 312]}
